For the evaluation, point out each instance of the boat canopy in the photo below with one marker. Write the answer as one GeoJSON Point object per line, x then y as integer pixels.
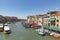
{"type": "Point", "coordinates": [36, 25]}
{"type": "Point", "coordinates": [52, 19]}
{"type": "Point", "coordinates": [6, 28]}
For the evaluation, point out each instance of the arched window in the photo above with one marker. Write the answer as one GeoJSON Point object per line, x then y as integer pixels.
{"type": "Point", "coordinates": [57, 20]}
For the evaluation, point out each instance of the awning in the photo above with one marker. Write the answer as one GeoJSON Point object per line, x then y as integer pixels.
{"type": "Point", "coordinates": [52, 19]}
{"type": "Point", "coordinates": [36, 25]}
{"type": "Point", "coordinates": [52, 28]}
{"type": "Point", "coordinates": [46, 27]}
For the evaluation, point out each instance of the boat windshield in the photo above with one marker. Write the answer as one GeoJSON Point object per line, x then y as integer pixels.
{"type": "Point", "coordinates": [6, 25]}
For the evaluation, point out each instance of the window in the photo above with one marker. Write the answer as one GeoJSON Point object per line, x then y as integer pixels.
{"type": "Point", "coordinates": [57, 20]}
{"type": "Point", "coordinates": [57, 25]}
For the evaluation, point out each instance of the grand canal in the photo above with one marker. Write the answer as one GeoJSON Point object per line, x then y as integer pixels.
{"type": "Point", "coordinates": [18, 32]}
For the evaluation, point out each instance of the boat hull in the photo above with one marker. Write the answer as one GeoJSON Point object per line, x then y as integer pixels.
{"type": "Point", "coordinates": [7, 31]}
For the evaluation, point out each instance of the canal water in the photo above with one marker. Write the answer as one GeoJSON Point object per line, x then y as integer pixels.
{"type": "Point", "coordinates": [18, 32]}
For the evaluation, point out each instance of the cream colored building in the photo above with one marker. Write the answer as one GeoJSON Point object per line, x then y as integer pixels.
{"type": "Point", "coordinates": [46, 19]}
{"type": "Point", "coordinates": [31, 19]}
{"type": "Point", "coordinates": [49, 19]}
{"type": "Point", "coordinates": [35, 19]}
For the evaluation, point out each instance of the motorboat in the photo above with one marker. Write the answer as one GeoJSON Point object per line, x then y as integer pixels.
{"type": "Point", "coordinates": [7, 29]}
{"type": "Point", "coordinates": [1, 27]}
{"type": "Point", "coordinates": [47, 31]}
{"type": "Point", "coordinates": [40, 32]}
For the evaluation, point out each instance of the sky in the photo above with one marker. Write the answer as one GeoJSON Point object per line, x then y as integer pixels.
{"type": "Point", "coordinates": [24, 8]}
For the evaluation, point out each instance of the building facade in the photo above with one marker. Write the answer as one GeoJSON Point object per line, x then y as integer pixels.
{"type": "Point", "coordinates": [57, 22]}
{"type": "Point", "coordinates": [31, 19]}
{"type": "Point", "coordinates": [39, 19]}
{"type": "Point", "coordinates": [55, 19]}
{"type": "Point", "coordinates": [35, 19]}
{"type": "Point", "coordinates": [50, 19]}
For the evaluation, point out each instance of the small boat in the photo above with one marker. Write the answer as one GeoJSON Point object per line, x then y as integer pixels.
{"type": "Point", "coordinates": [1, 27]}
{"type": "Point", "coordinates": [56, 35]}
{"type": "Point", "coordinates": [40, 32]}
{"type": "Point", "coordinates": [51, 34]}
{"type": "Point", "coordinates": [6, 24]}
{"type": "Point", "coordinates": [7, 29]}
{"type": "Point", "coordinates": [47, 31]}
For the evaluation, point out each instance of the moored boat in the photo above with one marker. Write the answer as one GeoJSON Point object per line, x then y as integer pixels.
{"type": "Point", "coordinates": [1, 27]}
{"type": "Point", "coordinates": [56, 35]}
{"type": "Point", "coordinates": [7, 29]}
{"type": "Point", "coordinates": [52, 33]}
{"type": "Point", "coordinates": [6, 24]}
{"type": "Point", "coordinates": [40, 32]}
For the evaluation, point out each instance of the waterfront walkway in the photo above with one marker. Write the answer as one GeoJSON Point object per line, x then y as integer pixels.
{"type": "Point", "coordinates": [21, 33]}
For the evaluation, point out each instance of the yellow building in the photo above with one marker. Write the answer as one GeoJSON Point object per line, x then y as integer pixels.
{"type": "Point", "coordinates": [55, 19]}
{"type": "Point", "coordinates": [57, 16]}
